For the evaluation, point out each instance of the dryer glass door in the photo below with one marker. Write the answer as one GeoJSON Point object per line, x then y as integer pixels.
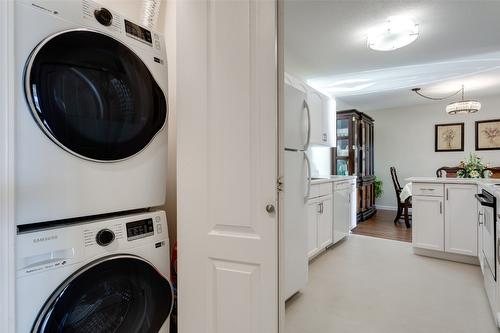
{"type": "Point", "coordinates": [121, 294]}
{"type": "Point", "coordinates": [93, 96]}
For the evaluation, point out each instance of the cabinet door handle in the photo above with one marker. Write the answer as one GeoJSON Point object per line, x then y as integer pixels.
{"type": "Point", "coordinates": [441, 207]}
{"type": "Point", "coordinates": [479, 218]}
{"type": "Point", "coordinates": [322, 208]}
{"type": "Point", "coordinates": [447, 194]}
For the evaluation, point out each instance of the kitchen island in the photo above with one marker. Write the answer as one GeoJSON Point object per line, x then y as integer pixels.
{"type": "Point", "coordinates": [447, 217]}
{"type": "Point", "coordinates": [457, 219]}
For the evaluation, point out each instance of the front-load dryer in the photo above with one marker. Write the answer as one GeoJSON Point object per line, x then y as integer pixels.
{"type": "Point", "coordinates": [110, 275]}
{"type": "Point", "coordinates": [91, 112]}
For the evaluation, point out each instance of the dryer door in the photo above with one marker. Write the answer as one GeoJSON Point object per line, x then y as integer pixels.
{"type": "Point", "coordinates": [93, 96]}
{"type": "Point", "coordinates": [121, 294]}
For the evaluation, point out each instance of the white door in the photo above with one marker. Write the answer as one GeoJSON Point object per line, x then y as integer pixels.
{"type": "Point", "coordinates": [428, 223]}
{"type": "Point", "coordinates": [460, 223]}
{"type": "Point", "coordinates": [315, 102]}
{"type": "Point", "coordinates": [325, 223]}
{"type": "Point", "coordinates": [342, 213]}
{"type": "Point", "coordinates": [313, 209]}
{"type": "Point", "coordinates": [227, 166]}
{"type": "Point", "coordinates": [295, 222]}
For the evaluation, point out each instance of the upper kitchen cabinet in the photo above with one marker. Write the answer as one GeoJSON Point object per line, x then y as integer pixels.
{"type": "Point", "coordinates": [322, 116]}
{"type": "Point", "coordinates": [317, 108]}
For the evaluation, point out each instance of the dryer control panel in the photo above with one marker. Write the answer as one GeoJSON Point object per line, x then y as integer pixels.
{"type": "Point", "coordinates": [140, 229]}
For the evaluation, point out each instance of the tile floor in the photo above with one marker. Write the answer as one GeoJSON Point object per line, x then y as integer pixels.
{"type": "Point", "coordinates": [373, 285]}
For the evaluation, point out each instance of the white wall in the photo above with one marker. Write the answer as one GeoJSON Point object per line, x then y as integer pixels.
{"type": "Point", "coordinates": [404, 138]}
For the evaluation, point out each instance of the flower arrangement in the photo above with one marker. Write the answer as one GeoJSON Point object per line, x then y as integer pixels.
{"type": "Point", "coordinates": [473, 167]}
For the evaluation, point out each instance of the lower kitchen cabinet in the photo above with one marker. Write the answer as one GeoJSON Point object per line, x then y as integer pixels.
{"type": "Point", "coordinates": [428, 222]}
{"type": "Point", "coordinates": [320, 226]}
{"type": "Point", "coordinates": [445, 218]}
{"type": "Point", "coordinates": [460, 221]}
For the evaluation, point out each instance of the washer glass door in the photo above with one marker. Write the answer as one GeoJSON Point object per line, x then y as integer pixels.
{"type": "Point", "coordinates": [122, 294]}
{"type": "Point", "coordinates": [93, 96]}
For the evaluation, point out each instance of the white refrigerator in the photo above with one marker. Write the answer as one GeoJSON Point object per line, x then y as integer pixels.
{"type": "Point", "coordinates": [297, 184]}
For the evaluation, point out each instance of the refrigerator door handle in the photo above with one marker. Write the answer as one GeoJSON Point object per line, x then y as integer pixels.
{"type": "Point", "coordinates": [308, 113]}
{"type": "Point", "coordinates": [308, 177]}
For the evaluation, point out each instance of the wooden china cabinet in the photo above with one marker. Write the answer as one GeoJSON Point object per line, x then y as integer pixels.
{"type": "Point", "coordinates": [354, 156]}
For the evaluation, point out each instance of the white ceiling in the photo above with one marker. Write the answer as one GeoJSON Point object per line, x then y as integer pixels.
{"type": "Point", "coordinates": [459, 43]}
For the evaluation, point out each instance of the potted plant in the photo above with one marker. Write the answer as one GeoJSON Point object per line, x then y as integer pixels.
{"type": "Point", "coordinates": [473, 166]}
{"type": "Point", "coordinates": [379, 188]}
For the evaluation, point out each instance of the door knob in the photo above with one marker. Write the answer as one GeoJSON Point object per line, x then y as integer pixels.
{"type": "Point", "coordinates": [270, 208]}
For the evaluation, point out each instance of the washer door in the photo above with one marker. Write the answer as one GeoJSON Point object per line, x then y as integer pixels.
{"type": "Point", "coordinates": [93, 96]}
{"type": "Point", "coordinates": [121, 294]}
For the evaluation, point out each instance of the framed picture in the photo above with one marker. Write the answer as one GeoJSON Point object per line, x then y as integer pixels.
{"type": "Point", "coordinates": [488, 134]}
{"type": "Point", "coordinates": [449, 137]}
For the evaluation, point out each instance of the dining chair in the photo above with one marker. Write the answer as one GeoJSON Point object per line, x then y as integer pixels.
{"type": "Point", "coordinates": [448, 172]}
{"type": "Point", "coordinates": [494, 172]}
{"type": "Point", "coordinates": [403, 206]}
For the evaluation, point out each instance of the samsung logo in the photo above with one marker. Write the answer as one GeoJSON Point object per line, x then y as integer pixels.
{"type": "Point", "coordinates": [44, 239]}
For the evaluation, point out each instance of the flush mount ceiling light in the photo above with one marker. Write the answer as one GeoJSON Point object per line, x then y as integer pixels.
{"type": "Point", "coordinates": [396, 32]}
{"type": "Point", "coordinates": [460, 107]}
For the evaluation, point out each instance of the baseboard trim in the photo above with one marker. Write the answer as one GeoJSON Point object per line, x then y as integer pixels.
{"type": "Point", "coordinates": [447, 256]}
{"type": "Point", "coordinates": [386, 207]}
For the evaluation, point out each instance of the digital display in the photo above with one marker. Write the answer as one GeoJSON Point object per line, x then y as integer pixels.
{"type": "Point", "coordinates": [138, 32]}
{"type": "Point", "coordinates": [140, 229]}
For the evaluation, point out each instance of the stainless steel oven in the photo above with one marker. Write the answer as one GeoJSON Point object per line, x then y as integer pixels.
{"type": "Point", "coordinates": [488, 235]}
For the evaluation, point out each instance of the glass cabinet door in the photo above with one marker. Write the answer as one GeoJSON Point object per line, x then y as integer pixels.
{"type": "Point", "coordinates": [343, 167]}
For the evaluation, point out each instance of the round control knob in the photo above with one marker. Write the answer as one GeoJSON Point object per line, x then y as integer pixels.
{"type": "Point", "coordinates": [105, 237]}
{"type": "Point", "coordinates": [103, 16]}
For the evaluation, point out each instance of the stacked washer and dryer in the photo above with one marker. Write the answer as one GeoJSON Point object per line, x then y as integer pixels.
{"type": "Point", "coordinates": [91, 159]}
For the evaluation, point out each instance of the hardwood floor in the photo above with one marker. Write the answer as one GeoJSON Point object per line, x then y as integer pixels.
{"type": "Point", "coordinates": [381, 225]}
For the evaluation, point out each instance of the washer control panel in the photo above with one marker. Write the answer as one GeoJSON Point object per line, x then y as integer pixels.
{"type": "Point", "coordinates": [139, 229]}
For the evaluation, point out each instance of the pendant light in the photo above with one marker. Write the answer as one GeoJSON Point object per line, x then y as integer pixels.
{"type": "Point", "coordinates": [463, 106]}
{"type": "Point", "coordinates": [460, 107]}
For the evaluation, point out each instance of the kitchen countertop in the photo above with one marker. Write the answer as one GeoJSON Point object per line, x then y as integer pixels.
{"type": "Point", "coordinates": [331, 179]}
{"type": "Point", "coordinates": [476, 181]}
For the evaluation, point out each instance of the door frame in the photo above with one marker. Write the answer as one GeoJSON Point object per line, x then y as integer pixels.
{"type": "Point", "coordinates": [7, 222]}
{"type": "Point", "coordinates": [280, 58]}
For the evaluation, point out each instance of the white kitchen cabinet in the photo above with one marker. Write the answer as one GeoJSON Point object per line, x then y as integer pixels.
{"type": "Point", "coordinates": [312, 227]}
{"type": "Point", "coordinates": [325, 222]}
{"type": "Point", "coordinates": [322, 113]}
{"type": "Point", "coordinates": [460, 222]}
{"type": "Point", "coordinates": [428, 222]}
{"type": "Point", "coordinates": [320, 224]}
{"type": "Point", "coordinates": [342, 209]}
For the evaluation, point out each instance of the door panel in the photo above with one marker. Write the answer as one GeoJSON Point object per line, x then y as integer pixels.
{"type": "Point", "coordinates": [342, 214]}
{"type": "Point", "coordinates": [325, 223]}
{"type": "Point", "coordinates": [461, 219]}
{"type": "Point", "coordinates": [428, 223]}
{"type": "Point", "coordinates": [316, 108]}
{"type": "Point", "coordinates": [312, 227]}
{"type": "Point", "coordinates": [227, 166]}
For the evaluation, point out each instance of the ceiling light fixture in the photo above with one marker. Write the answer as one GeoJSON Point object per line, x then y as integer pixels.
{"type": "Point", "coordinates": [460, 107]}
{"type": "Point", "coordinates": [396, 32]}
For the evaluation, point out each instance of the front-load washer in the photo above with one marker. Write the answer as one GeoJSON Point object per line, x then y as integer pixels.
{"type": "Point", "coordinates": [110, 275]}
{"type": "Point", "coordinates": [91, 112]}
